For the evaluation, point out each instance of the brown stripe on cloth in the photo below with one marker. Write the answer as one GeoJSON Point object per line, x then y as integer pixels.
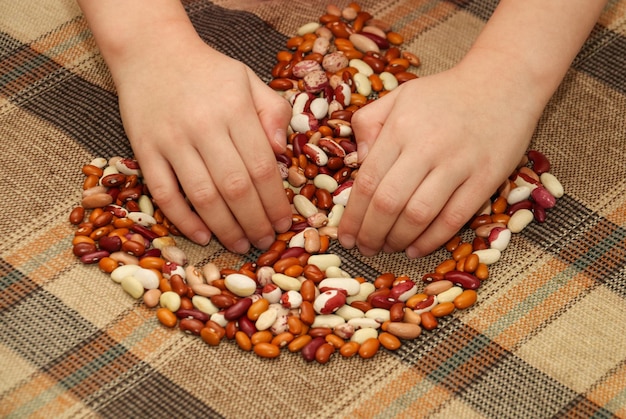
{"type": "Point", "coordinates": [14, 286]}
{"type": "Point", "coordinates": [75, 356]}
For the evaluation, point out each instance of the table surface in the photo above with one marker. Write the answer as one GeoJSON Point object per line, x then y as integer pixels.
{"type": "Point", "coordinates": [547, 337]}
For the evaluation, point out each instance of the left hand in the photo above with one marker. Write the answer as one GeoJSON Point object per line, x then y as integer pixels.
{"type": "Point", "coordinates": [433, 151]}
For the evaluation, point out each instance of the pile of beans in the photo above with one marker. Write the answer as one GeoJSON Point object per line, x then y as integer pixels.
{"type": "Point", "coordinates": [296, 297]}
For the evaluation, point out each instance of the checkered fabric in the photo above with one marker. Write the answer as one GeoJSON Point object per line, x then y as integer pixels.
{"type": "Point", "coordinates": [546, 339]}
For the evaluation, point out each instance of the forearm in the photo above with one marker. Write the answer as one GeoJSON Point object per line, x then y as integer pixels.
{"type": "Point", "coordinates": [536, 40]}
{"type": "Point", "coordinates": [124, 29]}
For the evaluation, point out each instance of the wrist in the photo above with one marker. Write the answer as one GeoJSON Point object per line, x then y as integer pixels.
{"type": "Point", "coordinates": [507, 79]}
{"type": "Point", "coordinates": [126, 31]}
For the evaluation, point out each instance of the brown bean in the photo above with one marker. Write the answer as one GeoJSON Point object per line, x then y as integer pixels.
{"type": "Point", "coordinates": [324, 352]}
{"type": "Point", "coordinates": [369, 348]}
{"type": "Point", "coordinates": [90, 169]}
{"type": "Point", "coordinates": [268, 258]}
{"type": "Point", "coordinates": [349, 349]}
{"type": "Point", "coordinates": [261, 336]}
{"type": "Point", "coordinates": [429, 322]}
{"type": "Point", "coordinates": [266, 350]}
{"type": "Point", "coordinates": [191, 326]}
{"type": "Point", "coordinates": [466, 299]}
{"type": "Point", "coordinates": [389, 341]}
{"type": "Point", "coordinates": [83, 248]}
{"type": "Point", "coordinates": [404, 330]}
{"type": "Point", "coordinates": [307, 313]}
{"type": "Point", "coordinates": [178, 285]}
{"type": "Point", "coordinates": [166, 317]}
{"type": "Point", "coordinates": [77, 215]}
{"type": "Point", "coordinates": [443, 309]}
{"type": "Point", "coordinates": [256, 308]}
{"type": "Point", "coordinates": [210, 336]}
{"type": "Point", "coordinates": [298, 343]}
{"type": "Point", "coordinates": [282, 264]}
{"type": "Point", "coordinates": [313, 273]}
{"type": "Point", "coordinates": [334, 340]}
{"type": "Point", "coordinates": [114, 179]}
{"type": "Point", "coordinates": [282, 339]}
{"type": "Point", "coordinates": [396, 312]}
{"type": "Point", "coordinates": [243, 341]}
{"type": "Point", "coordinates": [384, 280]}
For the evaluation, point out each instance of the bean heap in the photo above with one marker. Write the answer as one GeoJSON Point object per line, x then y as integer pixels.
{"type": "Point", "coordinates": [296, 295]}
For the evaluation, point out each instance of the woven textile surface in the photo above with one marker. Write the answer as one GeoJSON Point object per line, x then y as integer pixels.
{"type": "Point", "coordinates": [546, 339]}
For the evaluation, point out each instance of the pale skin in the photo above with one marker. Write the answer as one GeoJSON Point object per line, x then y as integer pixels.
{"type": "Point", "coordinates": [432, 151]}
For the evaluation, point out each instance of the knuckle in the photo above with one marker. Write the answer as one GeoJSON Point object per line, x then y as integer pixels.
{"type": "Point", "coordinates": [419, 214]}
{"type": "Point", "coordinates": [365, 184]}
{"type": "Point", "coordinates": [386, 203]}
{"type": "Point", "coordinates": [237, 187]}
{"type": "Point", "coordinates": [264, 170]}
{"type": "Point", "coordinates": [453, 219]}
{"type": "Point", "coordinates": [202, 196]}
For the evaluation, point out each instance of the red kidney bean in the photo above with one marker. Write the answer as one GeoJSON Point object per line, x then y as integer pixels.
{"type": "Point", "coordinates": [191, 326]}
{"type": "Point", "coordinates": [113, 179]}
{"type": "Point", "coordinates": [94, 257]}
{"type": "Point", "coordinates": [542, 197]}
{"type": "Point", "coordinates": [246, 325]}
{"type": "Point", "coordinates": [539, 213]}
{"type": "Point", "coordinates": [238, 309]}
{"type": "Point", "coordinates": [192, 313]}
{"type": "Point", "coordinates": [382, 301]}
{"type": "Point", "coordinates": [110, 243]}
{"type": "Point", "coordinates": [145, 232]}
{"type": "Point", "coordinates": [130, 194]}
{"type": "Point", "coordinates": [525, 204]}
{"type": "Point", "coordinates": [84, 248]}
{"type": "Point", "coordinates": [463, 279]}
{"type": "Point", "coordinates": [539, 161]}
{"type": "Point", "coordinates": [309, 350]}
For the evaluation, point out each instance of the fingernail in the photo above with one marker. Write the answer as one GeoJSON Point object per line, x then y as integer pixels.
{"type": "Point", "coordinates": [280, 138]}
{"type": "Point", "coordinates": [202, 238]}
{"type": "Point", "coordinates": [265, 242]}
{"type": "Point", "coordinates": [362, 153]}
{"type": "Point", "coordinates": [412, 253]}
{"type": "Point", "coordinates": [241, 246]}
{"type": "Point", "coordinates": [366, 251]}
{"type": "Point", "coordinates": [283, 225]}
{"type": "Point", "coordinates": [347, 241]}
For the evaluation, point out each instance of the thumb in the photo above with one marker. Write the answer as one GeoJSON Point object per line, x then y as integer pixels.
{"type": "Point", "coordinates": [368, 121]}
{"type": "Point", "coordinates": [274, 113]}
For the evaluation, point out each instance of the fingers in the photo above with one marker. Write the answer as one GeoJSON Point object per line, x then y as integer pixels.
{"type": "Point", "coordinates": [245, 172]}
{"type": "Point", "coordinates": [434, 209]}
{"type": "Point", "coordinates": [448, 222]}
{"type": "Point", "coordinates": [367, 122]}
{"type": "Point", "coordinates": [274, 112]}
{"type": "Point", "coordinates": [165, 190]}
{"type": "Point", "coordinates": [371, 207]}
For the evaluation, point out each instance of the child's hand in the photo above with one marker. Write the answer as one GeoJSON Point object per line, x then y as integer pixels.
{"type": "Point", "coordinates": [433, 151]}
{"type": "Point", "coordinates": [197, 117]}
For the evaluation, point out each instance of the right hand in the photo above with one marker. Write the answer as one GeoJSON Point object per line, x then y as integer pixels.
{"type": "Point", "coordinates": [198, 117]}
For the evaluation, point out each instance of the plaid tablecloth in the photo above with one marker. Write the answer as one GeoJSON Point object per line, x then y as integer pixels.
{"type": "Point", "coordinates": [546, 339]}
